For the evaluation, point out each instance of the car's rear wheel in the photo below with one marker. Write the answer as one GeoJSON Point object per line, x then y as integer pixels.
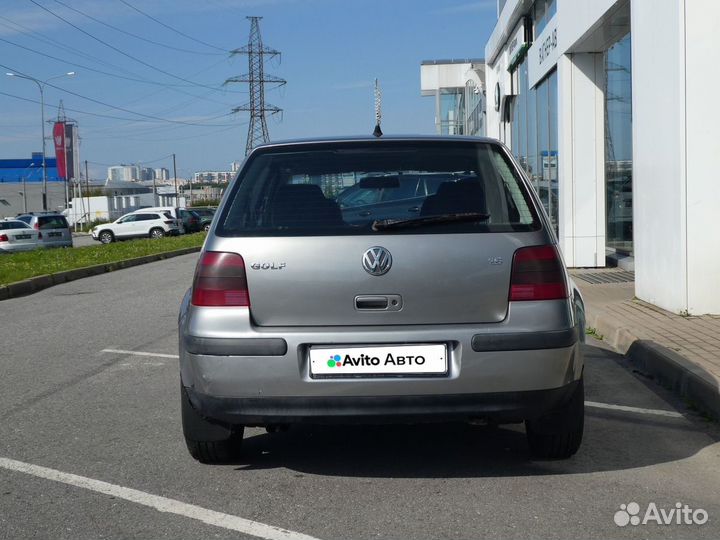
{"type": "Point", "coordinates": [157, 232]}
{"type": "Point", "coordinates": [207, 441]}
{"type": "Point", "coordinates": [206, 227]}
{"type": "Point", "coordinates": [106, 237]}
{"type": "Point", "coordinates": [558, 435]}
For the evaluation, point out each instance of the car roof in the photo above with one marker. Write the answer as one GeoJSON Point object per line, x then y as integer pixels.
{"type": "Point", "coordinates": [380, 140]}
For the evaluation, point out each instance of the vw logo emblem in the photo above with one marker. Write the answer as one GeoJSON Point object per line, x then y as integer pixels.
{"type": "Point", "coordinates": [377, 261]}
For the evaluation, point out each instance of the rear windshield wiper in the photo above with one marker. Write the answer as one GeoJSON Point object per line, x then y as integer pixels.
{"type": "Point", "coordinates": [385, 224]}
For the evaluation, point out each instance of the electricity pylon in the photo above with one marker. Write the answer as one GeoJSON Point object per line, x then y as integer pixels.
{"type": "Point", "coordinates": [256, 52]}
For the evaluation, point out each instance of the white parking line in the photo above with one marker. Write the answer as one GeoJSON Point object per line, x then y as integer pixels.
{"type": "Point", "coordinates": [657, 412]}
{"type": "Point", "coordinates": [161, 504]}
{"type": "Point", "coordinates": [140, 353]}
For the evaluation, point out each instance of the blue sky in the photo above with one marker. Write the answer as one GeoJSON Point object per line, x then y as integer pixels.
{"type": "Point", "coordinates": [331, 52]}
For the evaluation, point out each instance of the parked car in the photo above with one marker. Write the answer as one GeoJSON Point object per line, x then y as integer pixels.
{"type": "Point", "coordinates": [379, 194]}
{"type": "Point", "coordinates": [171, 212]}
{"type": "Point", "coordinates": [191, 220]}
{"type": "Point", "coordinates": [16, 235]}
{"type": "Point", "coordinates": [54, 227]}
{"type": "Point", "coordinates": [136, 225]}
{"type": "Point", "coordinates": [206, 213]}
{"type": "Point", "coordinates": [460, 311]}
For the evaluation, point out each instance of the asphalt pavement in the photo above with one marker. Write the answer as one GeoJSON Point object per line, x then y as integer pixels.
{"type": "Point", "coordinates": [91, 446]}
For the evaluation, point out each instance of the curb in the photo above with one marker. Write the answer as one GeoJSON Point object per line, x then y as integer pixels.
{"type": "Point", "coordinates": [666, 366]}
{"type": "Point", "coordinates": [38, 283]}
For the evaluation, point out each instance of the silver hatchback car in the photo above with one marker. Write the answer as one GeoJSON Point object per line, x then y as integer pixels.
{"type": "Point", "coordinates": [453, 305]}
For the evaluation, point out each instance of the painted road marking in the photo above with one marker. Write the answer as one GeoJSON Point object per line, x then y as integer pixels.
{"type": "Point", "coordinates": [140, 353]}
{"type": "Point", "coordinates": [657, 412]}
{"type": "Point", "coordinates": [161, 504]}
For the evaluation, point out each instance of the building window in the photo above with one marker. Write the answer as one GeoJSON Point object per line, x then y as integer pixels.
{"type": "Point", "coordinates": [543, 12]}
{"type": "Point", "coordinates": [452, 111]}
{"type": "Point", "coordinates": [534, 139]}
{"type": "Point", "coordinates": [618, 147]}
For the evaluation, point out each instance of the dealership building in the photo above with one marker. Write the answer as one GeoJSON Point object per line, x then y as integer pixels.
{"type": "Point", "coordinates": [610, 107]}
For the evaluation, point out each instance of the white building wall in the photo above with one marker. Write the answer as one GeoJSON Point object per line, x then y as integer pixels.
{"type": "Point", "coordinates": [581, 167]}
{"type": "Point", "coordinates": [702, 151]}
{"type": "Point", "coordinates": [676, 199]}
{"type": "Point", "coordinates": [580, 17]}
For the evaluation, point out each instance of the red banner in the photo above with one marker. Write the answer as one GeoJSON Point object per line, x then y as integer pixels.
{"type": "Point", "coordinates": [69, 152]}
{"type": "Point", "coordinates": [59, 140]}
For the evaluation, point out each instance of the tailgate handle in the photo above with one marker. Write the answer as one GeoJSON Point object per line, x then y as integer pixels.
{"type": "Point", "coordinates": [371, 302]}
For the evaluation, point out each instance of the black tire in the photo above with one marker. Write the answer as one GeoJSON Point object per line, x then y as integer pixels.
{"type": "Point", "coordinates": [559, 434]}
{"type": "Point", "coordinates": [106, 237]}
{"type": "Point", "coordinates": [206, 228]}
{"type": "Point", "coordinates": [207, 441]}
{"type": "Point", "coordinates": [157, 232]}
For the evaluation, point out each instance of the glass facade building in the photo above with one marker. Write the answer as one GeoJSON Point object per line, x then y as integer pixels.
{"type": "Point", "coordinates": [533, 134]}
{"type": "Point", "coordinates": [526, 76]}
{"type": "Point", "coordinates": [618, 146]}
{"type": "Point", "coordinates": [605, 104]}
{"type": "Point", "coordinates": [458, 87]}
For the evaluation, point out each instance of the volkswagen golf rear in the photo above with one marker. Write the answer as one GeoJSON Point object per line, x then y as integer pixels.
{"type": "Point", "coordinates": [449, 303]}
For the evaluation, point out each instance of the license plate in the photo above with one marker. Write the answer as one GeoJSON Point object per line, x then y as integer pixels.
{"type": "Point", "coordinates": [54, 234]}
{"type": "Point", "coordinates": [22, 236]}
{"type": "Point", "coordinates": [373, 361]}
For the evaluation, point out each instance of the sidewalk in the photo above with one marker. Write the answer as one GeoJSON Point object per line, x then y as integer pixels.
{"type": "Point", "coordinates": [680, 352]}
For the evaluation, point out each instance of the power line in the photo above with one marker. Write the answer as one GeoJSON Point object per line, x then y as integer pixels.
{"type": "Point", "coordinates": [57, 44]}
{"type": "Point", "coordinates": [120, 51]}
{"type": "Point", "coordinates": [147, 129]}
{"type": "Point", "coordinates": [141, 161]}
{"type": "Point", "coordinates": [74, 110]}
{"type": "Point", "coordinates": [134, 35]}
{"type": "Point", "coordinates": [164, 139]}
{"type": "Point", "coordinates": [173, 29]}
{"type": "Point", "coordinates": [109, 74]}
{"type": "Point", "coordinates": [164, 86]}
{"type": "Point", "coordinates": [150, 117]}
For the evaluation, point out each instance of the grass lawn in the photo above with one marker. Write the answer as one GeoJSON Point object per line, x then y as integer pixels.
{"type": "Point", "coordinates": [19, 266]}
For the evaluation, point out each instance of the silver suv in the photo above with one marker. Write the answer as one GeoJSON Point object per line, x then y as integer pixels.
{"type": "Point", "coordinates": [457, 307]}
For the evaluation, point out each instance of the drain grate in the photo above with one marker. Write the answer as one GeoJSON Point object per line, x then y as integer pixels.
{"type": "Point", "coordinates": [613, 276]}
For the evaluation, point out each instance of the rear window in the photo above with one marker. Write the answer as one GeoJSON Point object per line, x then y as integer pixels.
{"type": "Point", "coordinates": [7, 225]}
{"type": "Point", "coordinates": [52, 222]}
{"type": "Point", "coordinates": [356, 188]}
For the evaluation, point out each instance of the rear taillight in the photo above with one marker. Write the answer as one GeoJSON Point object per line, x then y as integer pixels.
{"type": "Point", "coordinates": [220, 280]}
{"type": "Point", "coordinates": [169, 222]}
{"type": "Point", "coordinates": [3, 237]}
{"type": "Point", "coordinates": [537, 274]}
{"type": "Point", "coordinates": [37, 226]}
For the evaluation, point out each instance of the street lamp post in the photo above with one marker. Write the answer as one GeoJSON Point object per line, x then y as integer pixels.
{"type": "Point", "coordinates": [41, 87]}
{"type": "Point", "coordinates": [24, 191]}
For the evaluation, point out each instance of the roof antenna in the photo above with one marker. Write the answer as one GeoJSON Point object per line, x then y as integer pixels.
{"type": "Point", "coordinates": [378, 110]}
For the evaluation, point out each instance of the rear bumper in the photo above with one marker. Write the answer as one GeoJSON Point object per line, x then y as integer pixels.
{"type": "Point", "coordinates": [511, 370]}
{"type": "Point", "coordinates": [500, 407]}
{"type": "Point", "coordinates": [483, 342]}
